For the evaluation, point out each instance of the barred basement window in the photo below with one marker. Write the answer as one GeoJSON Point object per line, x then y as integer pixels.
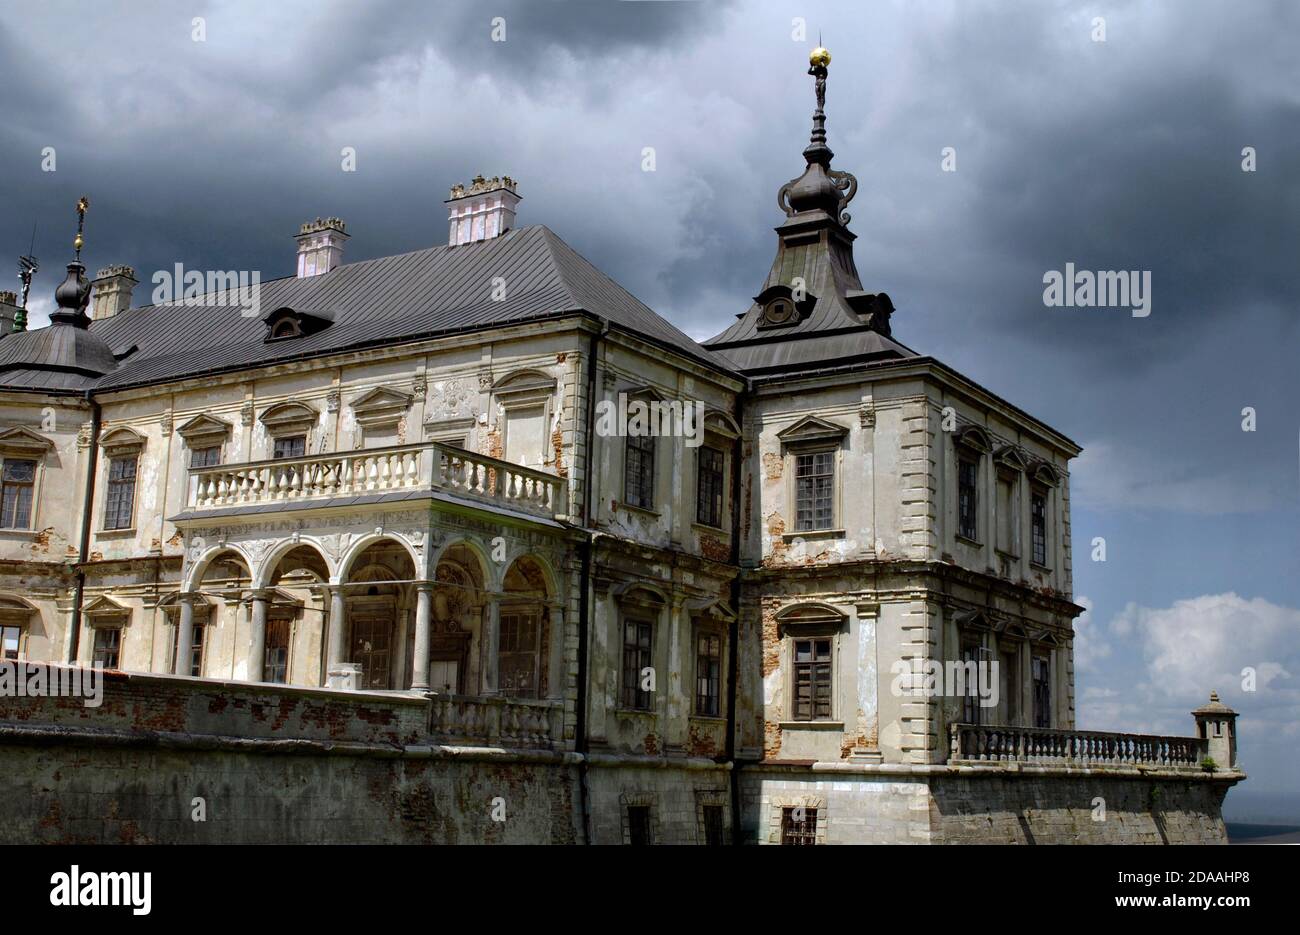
{"type": "Point", "coordinates": [637, 656]}
{"type": "Point", "coordinates": [708, 675]}
{"type": "Point", "coordinates": [708, 488]}
{"type": "Point", "coordinates": [1038, 514]}
{"type": "Point", "coordinates": [967, 498]}
{"type": "Point", "coordinates": [815, 491]}
{"type": "Point", "coordinates": [713, 828]}
{"type": "Point", "coordinates": [639, 476]}
{"type": "Point", "coordinates": [119, 509]}
{"type": "Point", "coordinates": [205, 457]}
{"type": "Point", "coordinates": [812, 679]}
{"type": "Point", "coordinates": [108, 645]}
{"type": "Point", "coordinates": [17, 483]}
{"type": "Point", "coordinates": [638, 824]}
{"type": "Point", "coordinates": [799, 826]}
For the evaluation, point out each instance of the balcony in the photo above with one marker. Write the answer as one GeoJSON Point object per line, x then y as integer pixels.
{"type": "Point", "coordinates": [497, 721]}
{"type": "Point", "coordinates": [317, 480]}
{"type": "Point", "coordinates": [996, 744]}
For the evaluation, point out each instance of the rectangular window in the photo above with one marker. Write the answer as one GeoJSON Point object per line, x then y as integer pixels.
{"type": "Point", "coordinates": [799, 826]}
{"type": "Point", "coordinates": [205, 457]}
{"type": "Point", "coordinates": [708, 488]}
{"type": "Point", "coordinates": [639, 477]}
{"type": "Point", "coordinates": [10, 640]}
{"type": "Point", "coordinates": [275, 664]}
{"type": "Point", "coordinates": [967, 499]}
{"type": "Point", "coordinates": [517, 657]}
{"type": "Point", "coordinates": [1010, 675]}
{"type": "Point", "coordinates": [815, 491]}
{"type": "Point", "coordinates": [1042, 673]}
{"type": "Point", "coordinates": [714, 835]}
{"type": "Point", "coordinates": [971, 655]}
{"type": "Point", "coordinates": [17, 482]}
{"type": "Point", "coordinates": [1038, 515]}
{"type": "Point", "coordinates": [196, 646]}
{"type": "Point", "coordinates": [812, 679]}
{"type": "Point", "coordinates": [108, 645]}
{"type": "Point", "coordinates": [119, 508]}
{"type": "Point", "coordinates": [290, 446]}
{"type": "Point", "coordinates": [637, 657]}
{"type": "Point", "coordinates": [638, 824]}
{"type": "Point", "coordinates": [708, 675]}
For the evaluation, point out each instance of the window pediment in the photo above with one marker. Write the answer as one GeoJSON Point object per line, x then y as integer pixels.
{"type": "Point", "coordinates": [380, 407]}
{"type": "Point", "coordinates": [289, 419]}
{"type": "Point", "coordinates": [810, 619]}
{"type": "Point", "coordinates": [20, 440]}
{"type": "Point", "coordinates": [103, 611]}
{"type": "Point", "coordinates": [204, 431]}
{"type": "Point", "coordinates": [721, 423]}
{"type": "Point", "coordinates": [122, 442]}
{"type": "Point", "coordinates": [812, 430]}
{"type": "Point", "coordinates": [975, 439]}
{"type": "Point", "coordinates": [524, 387]}
{"type": "Point", "coordinates": [15, 611]}
{"type": "Point", "coordinates": [1044, 473]}
{"type": "Point", "coordinates": [640, 596]}
{"type": "Point", "coordinates": [711, 609]}
{"type": "Point", "coordinates": [1009, 456]}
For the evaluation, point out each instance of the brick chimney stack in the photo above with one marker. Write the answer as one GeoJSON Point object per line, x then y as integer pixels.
{"type": "Point", "coordinates": [320, 246]}
{"type": "Point", "coordinates": [112, 291]}
{"type": "Point", "coordinates": [8, 308]}
{"type": "Point", "coordinates": [484, 210]}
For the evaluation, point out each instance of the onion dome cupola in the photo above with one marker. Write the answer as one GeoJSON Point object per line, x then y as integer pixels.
{"type": "Point", "coordinates": [67, 345]}
{"type": "Point", "coordinates": [812, 311]}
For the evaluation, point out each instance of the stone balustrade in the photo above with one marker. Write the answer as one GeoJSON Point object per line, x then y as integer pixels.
{"type": "Point", "coordinates": [397, 468]}
{"type": "Point", "coordinates": [973, 743]}
{"type": "Point", "coordinates": [497, 721]}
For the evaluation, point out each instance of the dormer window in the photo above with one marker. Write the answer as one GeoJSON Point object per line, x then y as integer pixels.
{"type": "Point", "coordinates": [285, 323]}
{"type": "Point", "coordinates": [782, 306]}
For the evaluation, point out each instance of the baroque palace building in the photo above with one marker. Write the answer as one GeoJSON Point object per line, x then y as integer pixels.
{"type": "Point", "coordinates": [363, 567]}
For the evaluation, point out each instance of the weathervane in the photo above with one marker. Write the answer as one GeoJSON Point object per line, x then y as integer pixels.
{"type": "Point", "coordinates": [27, 268]}
{"type": "Point", "coordinates": [82, 204]}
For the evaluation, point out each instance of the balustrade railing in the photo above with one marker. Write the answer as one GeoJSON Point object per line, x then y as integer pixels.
{"type": "Point", "coordinates": [376, 470]}
{"type": "Point", "coordinates": [1001, 744]}
{"type": "Point", "coordinates": [507, 722]}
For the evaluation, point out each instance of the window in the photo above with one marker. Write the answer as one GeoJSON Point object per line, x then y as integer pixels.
{"type": "Point", "coordinates": [275, 663]}
{"type": "Point", "coordinates": [713, 827]}
{"type": "Point", "coordinates": [708, 674]}
{"type": "Point", "coordinates": [287, 327]}
{"type": "Point", "coordinates": [967, 498]}
{"type": "Point", "coordinates": [708, 487]}
{"type": "Point", "coordinates": [517, 658]}
{"type": "Point", "coordinates": [205, 457]}
{"type": "Point", "coordinates": [1042, 673]}
{"type": "Point", "coordinates": [970, 700]}
{"type": "Point", "coordinates": [290, 446]}
{"type": "Point", "coordinates": [119, 509]}
{"type": "Point", "coordinates": [10, 641]}
{"type": "Point", "coordinates": [799, 826]}
{"type": "Point", "coordinates": [196, 646]}
{"type": "Point", "coordinates": [639, 477]}
{"type": "Point", "coordinates": [638, 824]}
{"type": "Point", "coordinates": [17, 481]}
{"type": "Point", "coordinates": [1006, 534]}
{"type": "Point", "coordinates": [108, 645]}
{"type": "Point", "coordinates": [814, 494]}
{"type": "Point", "coordinates": [812, 679]}
{"type": "Point", "coordinates": [1010, 688]}
{"type": "Point", "coordinates": [1038, 516]}
{"type": "Point", "coordinates": [637, 647]}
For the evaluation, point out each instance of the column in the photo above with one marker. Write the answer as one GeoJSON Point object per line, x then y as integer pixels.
{"type": "Point", "coordinates": [492, 646]}
{"type": "Point", "coordinates": [423, 624]}
{"type": "Point", "coordinates": [257, 636]}
{"type": "Point", "coordinates": [338, 630]}
{"type": "Point", "coordinates": [184, 634]}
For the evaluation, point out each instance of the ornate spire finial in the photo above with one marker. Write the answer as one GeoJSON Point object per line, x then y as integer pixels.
{"type": "Point", "coordinates": [820, 186]}
{"type": "Point", "coordinates": [73, 294]}
{"type": "Point", "coordinates": [82, 204]}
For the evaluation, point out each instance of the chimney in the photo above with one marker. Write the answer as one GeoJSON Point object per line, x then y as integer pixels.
{"type": "Point", "coordinates": [484, 210]}
{"type": "Point", "coordinates": [112, 292]}
{"type": "Point", "coordinates": [320, 246]}
{"type": "Point", "coordinates": [8, 311]}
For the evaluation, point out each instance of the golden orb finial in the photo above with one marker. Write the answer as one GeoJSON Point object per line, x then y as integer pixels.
{"type": "Point", "coordinates": [820, 57]}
